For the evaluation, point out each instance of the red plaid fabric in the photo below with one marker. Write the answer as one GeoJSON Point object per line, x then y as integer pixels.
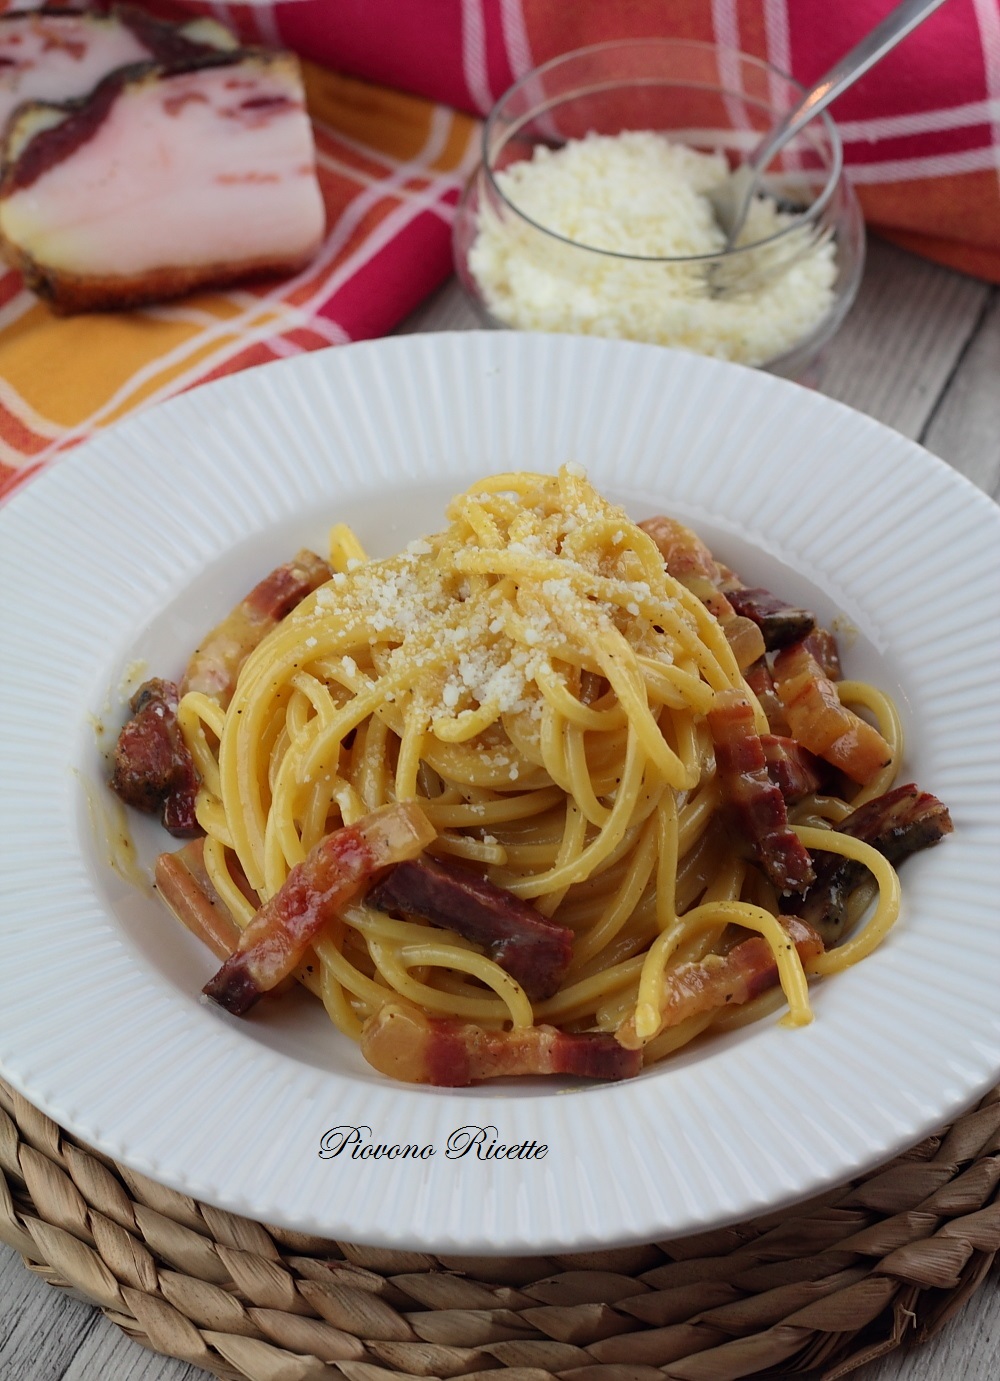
{"type": "Point", "coordinates": [921, 131]}
{"type": "Point", "coordinates": [391, 86]}
{"type": "Point", "coordinates": [390, 167]}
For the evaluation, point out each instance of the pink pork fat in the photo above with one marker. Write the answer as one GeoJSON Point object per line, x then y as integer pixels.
{"type": "Point", "coordinates": [57, 57]}
{"type": "Point", "coordinates": [163, 181]}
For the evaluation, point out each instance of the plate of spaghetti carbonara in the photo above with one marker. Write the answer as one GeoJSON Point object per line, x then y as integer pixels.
{"type": "Point", "coordinates": [476, 758]}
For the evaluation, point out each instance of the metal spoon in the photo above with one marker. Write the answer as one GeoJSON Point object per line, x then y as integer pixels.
{"type": "Point", "coordinates": [731, 198]}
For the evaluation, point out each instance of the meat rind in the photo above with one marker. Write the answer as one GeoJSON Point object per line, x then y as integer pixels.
{"type": "Point", "coordinates": [898, 824]}
{"type": "Point", "coordinates": [754, 801]}
{"type": "Point", "coordinates": [404, 1044]}
{"type": "Point", "coordinates": [315, 891]}
{"type": "Point", "coordinates": [724, 980]}
{"type": "Point", "coordinates": [55, 55]}
{"type": "Point", "coordinates": [780, 623]}
{"type": "Point", "coordinates": [163, 181]}
{"type": "Point", "coordinates": [821, 723]}
{"type": "Point", "coordinates": [154, 771]}
{"type": "Point", "coordinates": [183, 882]}
{"type": "Point", "coordinates": [793, 769]}
{"type": "Point", "coordinates": [216, 661]}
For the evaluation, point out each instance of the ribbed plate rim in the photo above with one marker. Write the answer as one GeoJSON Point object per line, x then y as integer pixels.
{"type": "Point", "coordinates": [681, 1152]}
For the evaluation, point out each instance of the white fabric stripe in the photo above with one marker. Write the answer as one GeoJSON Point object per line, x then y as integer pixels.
{"type": "Point", "coordinates": [19, 304]}
{"type": "Point", "coordinates": [988, 19]}
{"type": "Point", "coordinates": [418, 197]}
{"type": "Point", "coordinates": [26, 414]}
{"type": "Point", "coordinates": [474, 67]}
{"type": "Point", "coordinates": [515, 37]}
{"type": "Point", "coordinates": [319, 326]}
{"type": "Point", "coordinates": [921, 122]}
{"type": "Point", "coordinates": [934, 165]}
{"type": "Point", "coordinates": [15, 460]}
{"type": "Point", "coordinates": [518, 50]}
{"type": "Point", "coordinates": [725, 22]}
{"type": "Point", "coordinates": [267, 24]}
{"type": "Point", "coordinates": [192, 316]}
{"type": "Point", "coordinates": [435, 143]}
{"type": "Point", "coordinates": [415, 194]}
{"type": "Point", "coordinates": [285, 348]}
{"type": "Point", "coordinates": [386, 230]}
{"type": "Point", "coordinates": [437, 139]}
{"type": "Point", "coordinates": [779, 54]}
{"type": "Point", "coordinates": [779, 47]}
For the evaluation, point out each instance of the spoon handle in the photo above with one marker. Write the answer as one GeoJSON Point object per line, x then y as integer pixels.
{"type": "Point", "coordinates": [893, 28]}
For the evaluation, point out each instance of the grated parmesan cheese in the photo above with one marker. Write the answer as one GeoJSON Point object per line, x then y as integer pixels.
{"type": "Point", "coordinates": [489, 648]}
{"type": "Point", "coordinates": [639, 194]}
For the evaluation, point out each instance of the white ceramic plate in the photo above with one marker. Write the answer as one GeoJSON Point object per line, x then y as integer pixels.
{"type": "Point", "coordinates": [135, 544]}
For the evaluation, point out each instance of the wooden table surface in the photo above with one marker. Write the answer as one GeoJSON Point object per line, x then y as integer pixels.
{"type": "Point", "coordinates": [920, 352]}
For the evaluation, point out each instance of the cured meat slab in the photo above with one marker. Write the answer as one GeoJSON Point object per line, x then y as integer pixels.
{"type": "Point", "coordinates": [162, 181]}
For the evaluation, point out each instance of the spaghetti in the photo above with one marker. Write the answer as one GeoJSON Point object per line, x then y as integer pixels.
{"type": "Point", "coordinates": [555, 701]}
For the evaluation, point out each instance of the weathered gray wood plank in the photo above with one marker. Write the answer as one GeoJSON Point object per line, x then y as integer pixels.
{"type": "Point", "coordinates": [964, 428]}
{"type": "Point", "coordinates": [896, 351]}
{"type": "Point", "coordinates": [894, 356]}
{"type": "Point", "coordinates": [448, 309]}
{"type": "Point", "coordinates": [48, 1335]}
{"type": "Point", "coordinates": [966, 1349]}
{"type": "Point", "coordinates": [108, 1353]}
{"type": "Point", "coordinates": [41, 1329]}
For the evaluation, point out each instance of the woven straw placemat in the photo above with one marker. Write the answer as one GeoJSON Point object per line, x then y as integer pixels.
{"type": "Point", "coordinates": [832, 1283]}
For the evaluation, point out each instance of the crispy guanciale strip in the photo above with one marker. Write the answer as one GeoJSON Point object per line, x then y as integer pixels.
{"type": "Point", "coordinates": [822, 644]}
{"type": "Point", "coordinates": [758, 677]}
{"type": "Point", "coordinates": [753, 620]}
{"type": "Point", "coordinates": [725, 980]}
{"type": "Point", "coordinates": [403, 1043]}
{"type": "Point", "coordinates": [756, 804]}
{"type": "Point", "coordinates": [315, 891]}
{"type": "Point", "coordinates": [792, 768]}
{"type": "Point", "coordinates": [153, 769]}
{"type": "Point", "coordinates": [684, 553]}
{"type": "Point", "coordinates": [183, 883]}
{"type": "Point", "coordinates": [534, 950]}
{"type": "Point", "coordinates": [780, 623]}
{"type": "Point", "coordinates": [821, 723]}
{"type": "Point", "coordinates": [690, 561]}
{"type": "Point", "coordinates": [53, 55]}
{"type": "Point", "coordinates": [215, 664]}
{"type": "Point", "coordinates": [898, 823]}
{"type": "Point", "coordinates": [163, 180]}
{"type": "Point", "coordinates": [742, 634]}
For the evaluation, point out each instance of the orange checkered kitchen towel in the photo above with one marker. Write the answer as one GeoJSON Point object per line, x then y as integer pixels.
{"type": "Point", "coordinates": [391, 166]}
{"type": "Point", "coordinates": [921, 134]}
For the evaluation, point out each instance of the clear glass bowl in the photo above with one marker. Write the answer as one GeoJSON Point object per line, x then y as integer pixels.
{"type": "Point", "coordinates": [526, 274]}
